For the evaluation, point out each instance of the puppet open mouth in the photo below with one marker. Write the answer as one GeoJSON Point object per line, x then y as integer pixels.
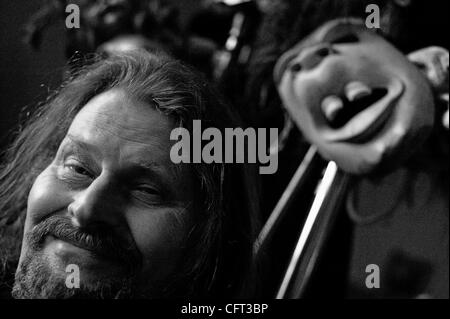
{"type": "Point", "coordinates": [360, 111]}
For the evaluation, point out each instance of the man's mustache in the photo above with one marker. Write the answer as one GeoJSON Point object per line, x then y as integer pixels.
{"type": "Point", "coordinates": [101, 241]}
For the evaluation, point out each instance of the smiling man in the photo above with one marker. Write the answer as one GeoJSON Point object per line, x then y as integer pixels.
{"type": "Point", "coordinates": [104, 195]}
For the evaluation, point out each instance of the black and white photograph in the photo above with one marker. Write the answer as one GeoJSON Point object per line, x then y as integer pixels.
{"type": "Point", "coordinates": [229, 155]}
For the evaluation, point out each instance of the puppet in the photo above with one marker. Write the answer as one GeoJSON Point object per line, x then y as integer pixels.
{"type": "Point", "coordinates": [410, 248]}
{"type": "Point", "coordinates": [364, 105]}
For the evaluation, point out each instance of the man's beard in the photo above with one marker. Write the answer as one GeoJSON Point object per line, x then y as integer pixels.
{"type": "Point", "coordinates": [36, 279]}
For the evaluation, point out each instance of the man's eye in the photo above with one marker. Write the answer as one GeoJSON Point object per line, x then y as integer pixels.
{"type": "Point", "coordinates": [77, 168]}
{"type": "Point", "coordinates": [147, 194]}
{"type": "Point", "coordinates": [148, 190]}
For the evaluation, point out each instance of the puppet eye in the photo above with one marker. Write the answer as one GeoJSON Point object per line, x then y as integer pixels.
{"type": "Point", "coordinates": [296, 67]}
{"type": "Point", "coordinates": [347, 38]}
{"type": "Point", "coordinates": [324, 52]}
{"type": "Point", "coordinates": [420, 65]}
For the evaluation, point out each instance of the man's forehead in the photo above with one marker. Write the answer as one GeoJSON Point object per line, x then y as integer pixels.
{"type": "Point", "coordinates": [113, 122]}
{"type": "Point", "coordinates": [113, 113]}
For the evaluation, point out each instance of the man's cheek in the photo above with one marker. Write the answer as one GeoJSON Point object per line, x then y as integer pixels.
{"type": "Point", "coordinates": [47, 196]}
{"type": "Point", "coordinates": [159, 235]}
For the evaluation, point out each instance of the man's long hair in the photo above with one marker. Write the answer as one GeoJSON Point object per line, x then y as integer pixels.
{"type": "Point", "coordinates": [219, 254]}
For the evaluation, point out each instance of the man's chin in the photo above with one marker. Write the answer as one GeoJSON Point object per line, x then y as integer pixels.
{"type": "Point", "coordinates": [38, 278]}
{"type": "Point", "coordinates": [61, 254]}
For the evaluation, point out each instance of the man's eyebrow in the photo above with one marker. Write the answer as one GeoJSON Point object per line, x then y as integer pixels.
{"type": "Point", "coordinates": [153, 169]}
{"type": "Point", "coordinates": [80, 143]}
{"type": "Point", "coordinates": [150, 167]}
{"type": "Point", "coordinates": [163, 176]}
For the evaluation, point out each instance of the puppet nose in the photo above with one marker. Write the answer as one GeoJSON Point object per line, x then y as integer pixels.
{"type": "Point", "coordinates": [311, 57]}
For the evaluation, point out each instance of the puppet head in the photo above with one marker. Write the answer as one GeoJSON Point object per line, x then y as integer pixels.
{"type": "Point", "coordinates": [355, 96]}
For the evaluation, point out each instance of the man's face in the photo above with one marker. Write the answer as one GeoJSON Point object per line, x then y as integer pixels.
{"type": "Point", "coordinates": [354, 96]}
{"type": "Point", "coordinates": [111, 203]}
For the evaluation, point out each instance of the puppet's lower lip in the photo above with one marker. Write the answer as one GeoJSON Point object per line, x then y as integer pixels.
{"type": "Point", "coordinates": [369, 121]}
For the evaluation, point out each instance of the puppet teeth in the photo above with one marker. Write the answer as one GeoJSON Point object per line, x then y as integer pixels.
{"type": "Point", "coordinates": [356, 90]}
{"type": "Point", "coordinates": [331, 106]}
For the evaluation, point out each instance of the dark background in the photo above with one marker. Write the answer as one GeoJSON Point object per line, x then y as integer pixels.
{"type": "Point", "coordinates": [26, 75]}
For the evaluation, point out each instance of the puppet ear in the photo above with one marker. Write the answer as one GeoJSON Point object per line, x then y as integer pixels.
{"type": "Point", "coordinates": [433, 62]}
{"type": "Point", "coordinates": [403, 3]}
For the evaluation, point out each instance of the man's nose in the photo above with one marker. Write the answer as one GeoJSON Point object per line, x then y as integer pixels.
{"type": "Point", "coordinates": [311, 57]}
{"type": "Point", "coordinates": [96, 205]}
